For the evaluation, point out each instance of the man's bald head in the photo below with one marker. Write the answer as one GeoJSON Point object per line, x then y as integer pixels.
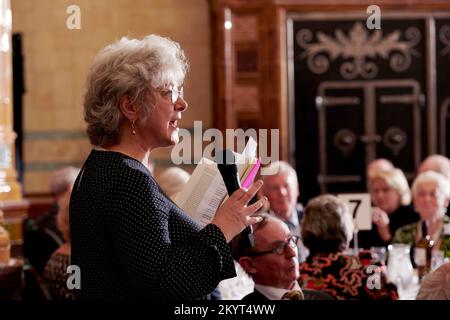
{"type": "Point", "coordinates": [437, 163]}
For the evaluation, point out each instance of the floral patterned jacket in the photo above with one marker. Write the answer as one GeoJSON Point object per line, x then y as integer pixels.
{"type": "Point", "coordinates": [346, 277]}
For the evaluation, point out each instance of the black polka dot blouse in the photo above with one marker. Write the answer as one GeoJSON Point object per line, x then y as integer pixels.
{"type": "Point", "coordinates": [131, 242]}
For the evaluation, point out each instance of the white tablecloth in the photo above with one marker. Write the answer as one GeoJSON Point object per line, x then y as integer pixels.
{"type": "Point", "coordinates": [410, 292]}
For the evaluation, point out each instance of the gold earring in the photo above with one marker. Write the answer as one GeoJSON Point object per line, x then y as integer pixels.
{"type": "Point", "coordinates": [133, 132]}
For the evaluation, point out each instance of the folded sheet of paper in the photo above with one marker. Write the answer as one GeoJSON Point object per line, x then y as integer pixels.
{"type": "Point", "coordinates": [205, 191]}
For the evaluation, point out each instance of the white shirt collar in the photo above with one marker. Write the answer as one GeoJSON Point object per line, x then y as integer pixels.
{"type": "Point", "coordinates": [273, 293]}
{"type": "Point", "coordinates": [294, 218]}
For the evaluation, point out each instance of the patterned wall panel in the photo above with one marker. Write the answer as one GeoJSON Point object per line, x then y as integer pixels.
{"type": "Point", "coordinates": [361, 94]}
{"type": "Point", "coordinates": [442, 84]}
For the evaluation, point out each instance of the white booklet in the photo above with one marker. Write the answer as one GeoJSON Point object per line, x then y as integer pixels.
{"type": "Point", "coordinates": [205, 191]}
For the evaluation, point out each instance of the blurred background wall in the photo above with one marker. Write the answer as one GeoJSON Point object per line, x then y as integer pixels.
{"type": "Point", "coordinates": [56, 61]}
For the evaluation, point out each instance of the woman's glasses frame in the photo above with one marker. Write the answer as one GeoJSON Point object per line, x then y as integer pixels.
{"type": "Point", "coordinates": [173, 93]}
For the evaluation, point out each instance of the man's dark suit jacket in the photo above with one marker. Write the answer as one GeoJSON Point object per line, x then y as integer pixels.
{"type": "Point", "coordinates": [255, 296]}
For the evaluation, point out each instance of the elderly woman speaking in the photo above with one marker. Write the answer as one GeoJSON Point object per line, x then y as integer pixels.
{"type": "Point", "coordinates": [128, 239]}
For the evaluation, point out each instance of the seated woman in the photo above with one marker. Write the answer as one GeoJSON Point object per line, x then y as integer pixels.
{"type": "Point", "coordinates": [55, 272]}
{"type": "Point", "coordinates": [391, 197]}
{"type": "Point", "coordinates": [431, 192]}
{"type": "Point", "coordinates": [327, 230]}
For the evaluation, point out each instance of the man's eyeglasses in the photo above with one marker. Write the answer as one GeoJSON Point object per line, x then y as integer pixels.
{"type": "Point", "coordinates": [173, 93]}
{"type": "Point", "coordinates": [279, 249]}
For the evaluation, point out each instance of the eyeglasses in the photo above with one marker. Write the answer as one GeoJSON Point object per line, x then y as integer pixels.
{"type": "Point", "coordinates": [173, 93]}
{"type": "Point", "coordinates": [280, 249]}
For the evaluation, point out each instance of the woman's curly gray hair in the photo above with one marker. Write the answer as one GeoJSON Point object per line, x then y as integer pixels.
{"type": "Point", "coordinates": [128, 67]}
{"type": "Point", "coordinates": [395, 178]}
{"type": "Point", "coordinates": [327, 225]}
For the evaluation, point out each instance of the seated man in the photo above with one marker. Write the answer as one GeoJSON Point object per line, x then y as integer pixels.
{"type": "Point", "coordinates": [282, 190]}
{"type": "Point", "coordinates": [272, 262]}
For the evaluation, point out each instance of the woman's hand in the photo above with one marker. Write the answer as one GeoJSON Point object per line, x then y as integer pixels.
{"type": "Point", "coordinates": [234, 215]}
{"type": "Point", "coordinates": [381, 219]}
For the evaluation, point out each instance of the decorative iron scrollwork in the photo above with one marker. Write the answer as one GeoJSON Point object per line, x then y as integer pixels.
{"type": "Point", "coordinates": [358, 46]}
{"type": "Point", "coordinates": [395, 139]}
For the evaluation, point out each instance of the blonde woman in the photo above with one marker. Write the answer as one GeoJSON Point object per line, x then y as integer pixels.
{"type": "Point", "coordinates": [128, 238]}
{"type": "Point", "coordinates": [391, 197]}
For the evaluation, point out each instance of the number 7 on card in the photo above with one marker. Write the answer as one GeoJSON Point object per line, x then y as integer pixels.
{"type": "Point", "coordinates": [359, 206]}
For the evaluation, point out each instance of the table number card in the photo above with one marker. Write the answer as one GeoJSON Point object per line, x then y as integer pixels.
{"type": "Point", "coordinates": [359, 205]}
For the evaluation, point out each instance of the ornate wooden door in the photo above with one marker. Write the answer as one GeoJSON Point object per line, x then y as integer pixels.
{"type": "Point", "coordinates": [360, 94]}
